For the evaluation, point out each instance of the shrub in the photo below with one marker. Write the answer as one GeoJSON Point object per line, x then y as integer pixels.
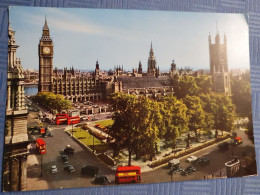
{"type": "Point", "coordinates": [187, 151]}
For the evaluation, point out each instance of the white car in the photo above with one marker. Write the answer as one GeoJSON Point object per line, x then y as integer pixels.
{"type": "Point", "coordinates": [191, 159]}
{"type": "Point", "coordinates": [54, 169]}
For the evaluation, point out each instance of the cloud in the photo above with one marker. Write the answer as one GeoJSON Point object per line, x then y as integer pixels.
{"type": "Point", "coordinates": [65, 21]}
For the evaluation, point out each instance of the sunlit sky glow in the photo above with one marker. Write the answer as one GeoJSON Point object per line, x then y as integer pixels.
{"type": "Point", "coordinates": [123, 37]}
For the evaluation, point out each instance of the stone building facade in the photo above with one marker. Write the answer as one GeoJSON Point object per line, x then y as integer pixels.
{"type": "Point", "coordinates": [16, 137]}
{"type": "Point", "coordinates": [75, 87]}
{"type": "Point", "coordinates": [219, 65]}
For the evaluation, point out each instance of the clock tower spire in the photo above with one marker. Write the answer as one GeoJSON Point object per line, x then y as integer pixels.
{"type": "Point", "coordinates": [45, 51]}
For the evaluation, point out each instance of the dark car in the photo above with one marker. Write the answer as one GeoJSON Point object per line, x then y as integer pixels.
{"type": "Point", "coordinates": [65, 158]}
{"type": "Point", "coordinates": [188, 170]}
{"type": "Point", "coordinates": [202, 161]}
{"type": "Point", "coordinates": [175, 169]}
{"type": "Point", "coordinates": [34, 129]}
{"type": "Point", "coordinates": [69, 150]}
{"type": "Point", "coordinates": [101, 180]}
{"type": "Point", "coordinates": [223, 146]}
{"type": "Point", "coordinates": [69, 168]}
{"type": "Point", "coordinates": [90, 171]}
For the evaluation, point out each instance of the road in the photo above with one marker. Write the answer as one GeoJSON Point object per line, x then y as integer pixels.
{"type": "Point", "coordinates": [217, 163]}
{"type": "Point", "coordinates": [81, 157]}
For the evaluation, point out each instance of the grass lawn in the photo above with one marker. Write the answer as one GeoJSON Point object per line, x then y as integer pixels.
{"type": "Point", "coordinates": [105, 123]}
{"type": "Point", "coordinates": [87, 139]}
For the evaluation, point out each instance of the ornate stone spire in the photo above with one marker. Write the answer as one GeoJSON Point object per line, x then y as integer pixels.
{"type": "Point", "coordinates": [97, 65]}
{"type": "Point", "coordinates": [151, 51]}
{"type": "Point", "coordinates": [45, 32]}
{"type": "Point", "coordinates": [45, 27]}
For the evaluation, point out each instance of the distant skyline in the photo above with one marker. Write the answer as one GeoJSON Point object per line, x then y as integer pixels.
{"type": "Point", "coordinates": [123, 37]}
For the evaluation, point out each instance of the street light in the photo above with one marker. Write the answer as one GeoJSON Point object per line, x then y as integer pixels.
{"type": "Point", "coordinates": [41, 163]}
{"type": "Point", "coordinates": [93, 145]}
{"type": "Point", "coordinates": [72, 129]}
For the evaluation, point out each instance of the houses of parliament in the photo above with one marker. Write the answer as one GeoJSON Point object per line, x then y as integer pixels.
{"type": "Point", "coordinates": [79, 86]}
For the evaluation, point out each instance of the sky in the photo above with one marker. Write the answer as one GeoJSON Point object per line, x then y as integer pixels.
{"type": "Point", "coordinates": [123, 37]}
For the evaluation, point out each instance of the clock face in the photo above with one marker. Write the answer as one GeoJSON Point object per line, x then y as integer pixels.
{"type": "Point", "coordinates": [46, 50]}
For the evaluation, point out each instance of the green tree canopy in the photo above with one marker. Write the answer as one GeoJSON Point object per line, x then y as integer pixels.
{"type": "Point", "coordinates": [190, 85]}
{"type": "Point", "coordinates": [195, 113]}
{"type": "Point", "coordinates": [52, 101]}
{"type": "Point", "coordinates": [135, 123]}
{"type": "Point", "coordinates": [221, 108]}
{"type": "Point", "coordinates": [174, 117]}
{"type": "Point", "coordinates": [241, 96]}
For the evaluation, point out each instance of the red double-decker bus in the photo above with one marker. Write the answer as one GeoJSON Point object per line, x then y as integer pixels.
{"type": "Point", "coordinates": [128, 174]}
{"type": "Point", "coordinates": [60, 118]}
{"type": "Point", "coordinates": [73, 120]}
{"type": "Point", "coordinates": [41, 146]}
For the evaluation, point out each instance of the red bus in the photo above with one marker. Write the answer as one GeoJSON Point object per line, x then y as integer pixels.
{"type": "Point", "coordinates": [128, 174]}
{"type": "Point", "coordinates": [60, 118]}
{"type": "Point", "coordinates": [73, 120]}
{"type": "Point", "coordinates": [41, 146]}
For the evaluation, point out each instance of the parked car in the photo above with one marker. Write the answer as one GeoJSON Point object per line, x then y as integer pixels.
{"type": "Point", "coordinates": [65, 158]}
{"type": "Point", "coordinates": [69, 150]}
{"type": "Point", "coordinates": [69, 168]}
{"type": "Point", "coordinates": [89, 170]}
{"type": "Point", "coordinates": [191, 158]}
{"type": "Point", "coordinates": [54, 169]}
{"type": "Point", "coordinates": [101, 180]}
{"type": "Point", "coordinates": [223, 146]}
{"type": "Point", "coordinates": [202, 161]}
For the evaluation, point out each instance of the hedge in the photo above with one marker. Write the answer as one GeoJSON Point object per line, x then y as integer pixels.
{"type": "Point", "coordinates": [187, 151]}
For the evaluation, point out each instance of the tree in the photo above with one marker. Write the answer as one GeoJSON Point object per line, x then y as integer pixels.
{"type": "Point", "coordinates": [204, 84]}
{"type": "Point", "coordinates": [186, 86]}
{"type": "Point", "coordinates": [52, 101]}
{"type": "Point", "coordinates": [190, 85]}
{"type": "Point", "coordinates": [250, 132]}
{"type": "Point", "coordinates": [241, 96]}
{"type": "Point", "coordinates": [221, 109]}
{"type": "Point", "coordinates": [135, 123]}
{"type": "Point", "coordinates": [175, 118]}
{"type": "Point", "coordinates": [195, 114]}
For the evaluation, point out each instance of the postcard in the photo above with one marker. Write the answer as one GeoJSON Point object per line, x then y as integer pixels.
{"type": "Point", "coordinates": [108, 97]}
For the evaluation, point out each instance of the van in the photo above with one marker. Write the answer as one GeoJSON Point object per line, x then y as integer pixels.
{"type": "Point", "coordinates": [173, 163]}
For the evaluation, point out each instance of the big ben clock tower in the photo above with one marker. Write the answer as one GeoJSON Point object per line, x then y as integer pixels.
{"type": "Point", "coordinates": [45, 60]}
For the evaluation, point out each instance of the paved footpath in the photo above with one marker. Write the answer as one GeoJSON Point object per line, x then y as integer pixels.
{"type": "Point", "coordinates": [34, 181]}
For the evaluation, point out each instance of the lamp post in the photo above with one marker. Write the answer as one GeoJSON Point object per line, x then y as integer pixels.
{"type": "Point", "coordinates": [72, 129]}
{"type": "Point", "coordinates": [41, 163]}
{"type": "Point", "coordinates": [93, 145]}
